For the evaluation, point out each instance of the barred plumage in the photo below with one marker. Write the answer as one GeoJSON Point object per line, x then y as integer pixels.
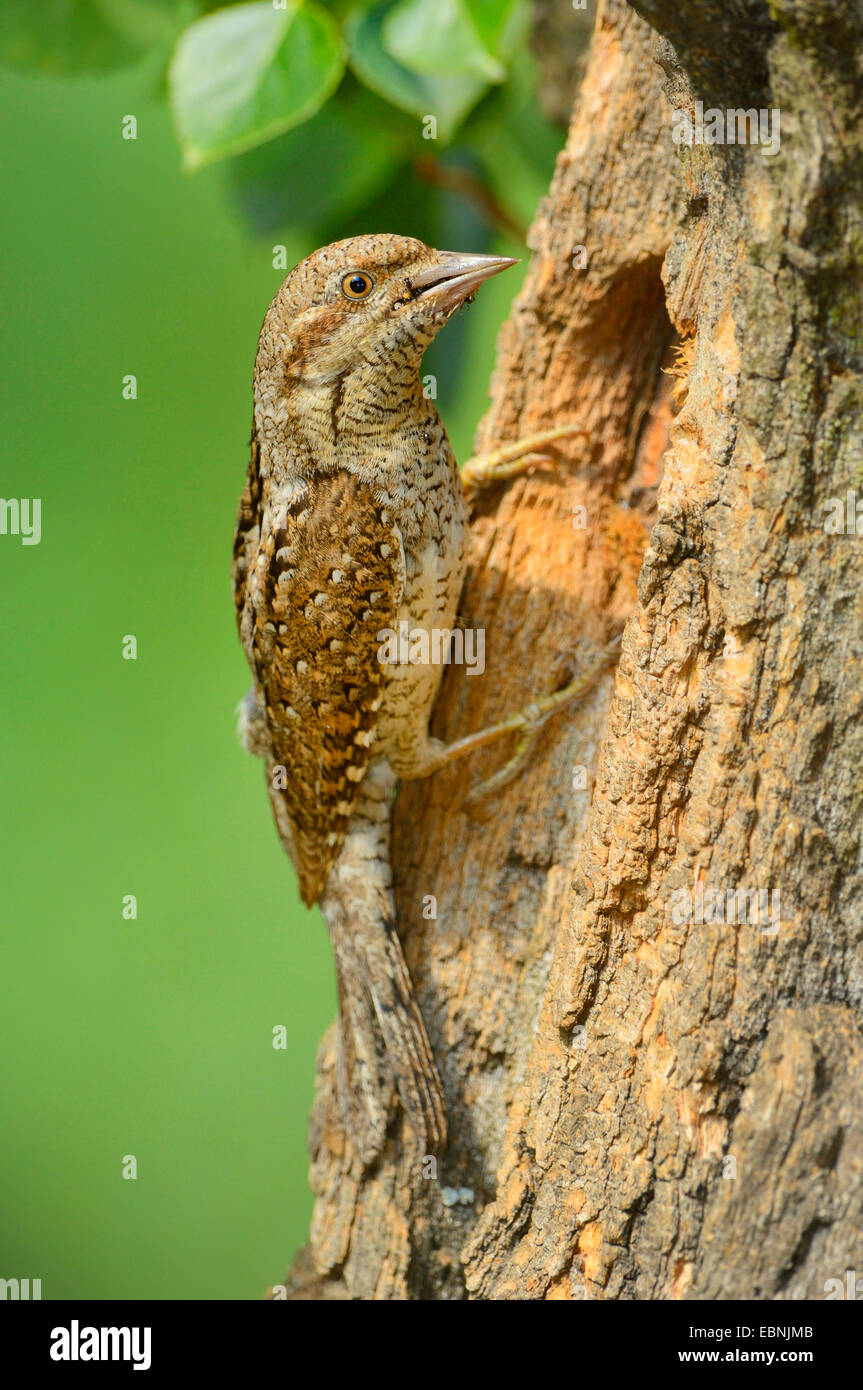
{"type": "Point", "coordinates": [352, 521]}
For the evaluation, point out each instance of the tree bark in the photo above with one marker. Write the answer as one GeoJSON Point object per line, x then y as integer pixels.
{"type": "Point", "coordinates": [649, 1097]}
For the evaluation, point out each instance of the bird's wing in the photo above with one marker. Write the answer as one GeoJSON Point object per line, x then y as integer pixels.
{"type": "Point", "coordinates": [328, 576]}
{"type": "Point", "coordinates": [248, 530]}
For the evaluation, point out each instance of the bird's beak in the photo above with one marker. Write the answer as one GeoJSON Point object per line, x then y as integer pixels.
{"type": "Point", "coordinates": [454, 277]}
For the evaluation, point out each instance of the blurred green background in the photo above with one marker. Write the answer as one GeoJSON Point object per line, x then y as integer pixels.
{"type": "Point", "coordinates": [153, 1037]}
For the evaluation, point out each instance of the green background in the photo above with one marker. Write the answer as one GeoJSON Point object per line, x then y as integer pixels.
{"type": "Point", "coordinates": [150, 1037]}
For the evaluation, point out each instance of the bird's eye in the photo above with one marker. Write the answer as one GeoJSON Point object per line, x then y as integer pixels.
{"type": "Point", "coordinates": [357, 285]}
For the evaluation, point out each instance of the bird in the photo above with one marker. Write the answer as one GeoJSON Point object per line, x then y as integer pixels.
{"type": "Point", "coordinates": [354, 520]}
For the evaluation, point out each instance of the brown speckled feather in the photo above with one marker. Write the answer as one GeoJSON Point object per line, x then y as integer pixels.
{"type": "Point", "coordinates": [324, 584]}
{"type": "Point", "coordinates": [248, 528]}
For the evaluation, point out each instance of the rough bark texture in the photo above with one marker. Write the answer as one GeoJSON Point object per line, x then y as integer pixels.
{"type": "Point", "coordinates": [640, 1105]}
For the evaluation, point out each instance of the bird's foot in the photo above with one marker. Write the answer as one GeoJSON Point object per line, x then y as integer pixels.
{"type": "Point", "coordinates": [527, 723]}
{"type": "Point", "coordinates": [483, 470]}
{"type": "Point", "coordinates": [531, 720]}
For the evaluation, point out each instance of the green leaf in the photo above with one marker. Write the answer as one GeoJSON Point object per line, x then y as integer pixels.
{"type": "Point", "coordinates": [492, 20]}
{"type": "Point", "coordinates": [63, 37]}
{"type": "Point", "coordinates": [249, 72]}
{"type": "Point", "coordinates": [438, 36]}
{"type": "Point", "coordinates": [446, 96]}
{"type": "Point", "coordinates": [325, 169]}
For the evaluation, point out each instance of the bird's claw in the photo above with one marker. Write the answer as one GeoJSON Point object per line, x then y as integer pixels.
{"type": "Point", "coordinates": [534, 716]}
{"type": "Point", "coordinates": [511, 460]}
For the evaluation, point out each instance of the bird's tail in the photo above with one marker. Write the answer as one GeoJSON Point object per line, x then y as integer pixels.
{"type": "Point", "coordinates": [383, 1047]}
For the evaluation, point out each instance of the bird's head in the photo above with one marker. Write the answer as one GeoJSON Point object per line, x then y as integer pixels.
{"type": "Point", "coordinates": [365, 302]}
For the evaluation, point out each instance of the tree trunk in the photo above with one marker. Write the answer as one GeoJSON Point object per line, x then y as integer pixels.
{"type": "Point", "coordinates": [653, 1092]}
